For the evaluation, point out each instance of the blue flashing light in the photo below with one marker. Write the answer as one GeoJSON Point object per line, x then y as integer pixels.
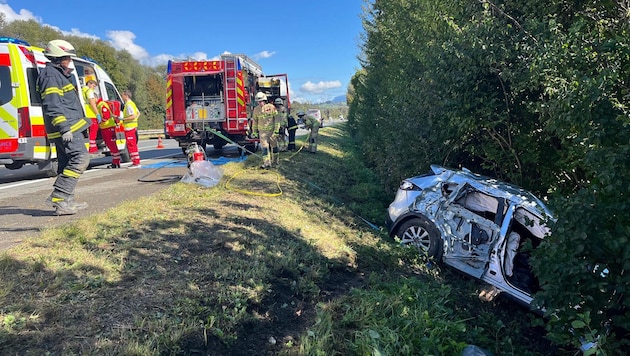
{"type": "Point", "coordinates": [89, 59]}
{"type": "Point", "coordinates": [13, 40]}
{"type": "Point", "coordinates": [169, 67]}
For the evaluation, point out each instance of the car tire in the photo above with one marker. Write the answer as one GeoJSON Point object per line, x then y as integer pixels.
{"type": "Point", "coordinates": [422, 234]}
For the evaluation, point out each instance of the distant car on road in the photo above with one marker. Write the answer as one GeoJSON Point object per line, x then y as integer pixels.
{"type": "Point", "coordinates": [475, 224]}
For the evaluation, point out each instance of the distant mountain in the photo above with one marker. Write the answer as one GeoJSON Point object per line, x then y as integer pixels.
{"type": "Point", "coordinates": [341, 99]}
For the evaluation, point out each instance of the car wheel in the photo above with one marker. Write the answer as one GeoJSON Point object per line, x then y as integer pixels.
{"type": "Point", "coordinates": [422, 234]}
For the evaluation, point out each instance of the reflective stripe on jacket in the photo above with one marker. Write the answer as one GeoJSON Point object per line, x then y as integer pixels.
{"type": "Point", "coordinates": [264, 119]}
{"type": "Point", "coordinates": [61, 104]}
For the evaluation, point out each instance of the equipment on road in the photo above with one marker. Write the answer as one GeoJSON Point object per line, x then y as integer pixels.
{"type": "Point", "coordinates": [23, 137]}
{"type": "Point", "coordinates": [204, 98]}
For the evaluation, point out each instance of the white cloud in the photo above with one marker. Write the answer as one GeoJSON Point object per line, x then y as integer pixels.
{"type": "Point", "coordinates": [318, 88]}
{"type": "Point", "coordinates": [76, 32]}
{"type": "Point", "coordinates": [23, 15]}
{"type": "Point", "coordinates": [263, 54]}
{"type": "Point", "coordinates": [124, 40]}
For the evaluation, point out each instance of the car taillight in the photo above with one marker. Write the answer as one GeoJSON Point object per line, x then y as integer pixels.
{"type": "Point", "coordinates": [24, 123]}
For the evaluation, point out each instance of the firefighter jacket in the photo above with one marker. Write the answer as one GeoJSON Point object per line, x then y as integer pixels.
{"type": "Point", "coordinates": [88, 93]}
{"type": "Point", "coordinates": [264, 119]}
{"type": "Point", "coordinates": [108, 119]}
{"type": "Point", "coordinates": [282, 116]}
{"type": "Point", "coordinates": [310, 122]}
{"type": "Point", "coordinates": [61, 104]}
{"type": "Point", "coordinates": [130, 109]}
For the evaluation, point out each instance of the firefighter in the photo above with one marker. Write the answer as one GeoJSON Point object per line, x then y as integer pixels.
{"type": "Point", "coordinates": [108, 132]}
{"type": "Point", "coordinates": [265, 126]}
{"type": "Point", "coordinates": [130, 123]}
{"type": "Point", "coordinates": [65, 124]}
{"type": "Point", "coordinates": [92, 112]}
{"type": "Point", "coordinates": [292, 126]}
{"type": "Point", "coordinates": [283, 122]}
{"type": "Point", "coordinates": [311, 124]}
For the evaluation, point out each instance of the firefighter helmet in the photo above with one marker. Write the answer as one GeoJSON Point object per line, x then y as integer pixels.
{"type": "Point", "coordinates": [300, 113]}
{"type": "Point", "coordinates": [278, 101]}
{"type": "Point", "coordinates": [260, 96]}
{"type": "Point", "coordinates": [59, 48]}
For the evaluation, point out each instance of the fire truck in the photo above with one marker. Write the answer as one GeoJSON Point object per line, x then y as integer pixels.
{"type": "Point", "coordinates": [210, 101]}
{"type": "Point", "coordinates": [22, 133]}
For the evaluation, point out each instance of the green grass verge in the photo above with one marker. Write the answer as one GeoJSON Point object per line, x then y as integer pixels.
{"type": "Point", "coordinates": [193, 270]}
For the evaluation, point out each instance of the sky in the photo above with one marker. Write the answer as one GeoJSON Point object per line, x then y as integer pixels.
{"type": "Point", "coordinates": [317, 43]}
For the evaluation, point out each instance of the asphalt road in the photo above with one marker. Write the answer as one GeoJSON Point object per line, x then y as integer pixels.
{"type": "Point", "coordinates": [24, 213]}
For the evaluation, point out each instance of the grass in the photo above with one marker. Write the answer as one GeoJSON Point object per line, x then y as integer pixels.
{"type": "Point", "coordinates": [193, 270]}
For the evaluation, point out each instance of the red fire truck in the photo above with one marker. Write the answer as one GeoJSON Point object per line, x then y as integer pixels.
{"type": "Point", "coordinates": [205, 97]}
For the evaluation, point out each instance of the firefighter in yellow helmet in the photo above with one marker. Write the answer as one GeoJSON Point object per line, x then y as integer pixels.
{"type": "Point", "coordinates": [65, 123]}
{"type": "Point", "coordinates": [311, 124]}
{"type": "Point", "coordinates": [265, 126]}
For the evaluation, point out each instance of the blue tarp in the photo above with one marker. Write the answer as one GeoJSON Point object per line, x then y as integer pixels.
{"type": "Point", "coordinates": [181, 163]}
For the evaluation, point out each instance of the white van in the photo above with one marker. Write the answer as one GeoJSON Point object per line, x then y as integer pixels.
{"type": "Point", "coordinates": [22, 132]}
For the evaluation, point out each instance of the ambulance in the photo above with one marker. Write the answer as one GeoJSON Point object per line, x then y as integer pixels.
{"type": "Point", "coordinates": [22, 132]}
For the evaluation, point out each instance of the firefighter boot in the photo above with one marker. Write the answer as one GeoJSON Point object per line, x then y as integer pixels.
{"type": "Point", "coordinates": [62, 206]}
{"type": "Point", "coordinates": [66, 206]}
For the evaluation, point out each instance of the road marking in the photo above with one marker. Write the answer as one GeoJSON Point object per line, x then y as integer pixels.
{"type": "Point", "coordinates": [24, 183]}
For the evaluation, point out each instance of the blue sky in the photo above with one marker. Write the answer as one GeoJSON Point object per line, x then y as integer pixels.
{"type": "Point", "coordinates": [315, 42]}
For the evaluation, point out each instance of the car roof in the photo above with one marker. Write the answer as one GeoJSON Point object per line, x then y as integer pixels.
{"type": "Point", "coordinates": [493, 187]}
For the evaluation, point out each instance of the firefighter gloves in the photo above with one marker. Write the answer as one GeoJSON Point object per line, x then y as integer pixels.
{"type": "Point", "coordinates": [67, 136]}
{"type": "Point", "coordinates": [255, 135]}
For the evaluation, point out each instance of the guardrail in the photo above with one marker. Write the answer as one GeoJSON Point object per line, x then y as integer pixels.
{"type": "Point", "coordinates": [151, 133]}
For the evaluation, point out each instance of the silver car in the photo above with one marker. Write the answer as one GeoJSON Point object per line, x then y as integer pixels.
{"type": "Point", "coordinates": [473, 223]}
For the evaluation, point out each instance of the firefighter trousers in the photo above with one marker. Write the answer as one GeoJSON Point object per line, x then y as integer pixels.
{"type": "Point", "coordinates": [312, 139]}
{"type": "Point", "coordinates": [73, 160]}
{"type": "Point", "coordinates": [267, 144]}
{"type": "Point", "coordinates": [292, 139]}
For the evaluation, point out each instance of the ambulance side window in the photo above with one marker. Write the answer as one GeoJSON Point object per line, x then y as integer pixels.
{"type": "Point", "coordinates": [32, 74]}
{"type": "Point", "coordinates": [6, 92]}
{"type": "Point", "coordinates": [112, 94]}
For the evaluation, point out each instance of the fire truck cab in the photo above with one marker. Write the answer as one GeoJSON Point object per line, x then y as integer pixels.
{"type": "Point", "coordinates": [22, 133]}
{"type": "Point", "coordinates": [208, 102]}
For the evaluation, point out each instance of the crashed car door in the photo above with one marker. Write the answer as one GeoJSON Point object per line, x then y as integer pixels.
{"type": "Point", "coordinates": [469, 228]}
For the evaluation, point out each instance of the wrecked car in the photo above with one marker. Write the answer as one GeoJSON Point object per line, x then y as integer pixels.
{"type": "Point", "coordinates": [474, 224]}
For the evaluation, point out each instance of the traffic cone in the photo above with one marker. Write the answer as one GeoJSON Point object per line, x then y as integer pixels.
{"type": "Point", "coordinates": [160, 145]}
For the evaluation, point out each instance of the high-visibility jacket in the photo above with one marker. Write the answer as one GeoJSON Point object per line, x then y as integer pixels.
{"type": "Point", "coordinates": [130, 109]}
{"type": "Point", "coordinates": [107, 119]}
{"type": "Point", "coordinates": [88, 93]}
{"type": "Point", "coordinates": [60, 101]}
{"type": "Point", "coordinates": [264, 119]}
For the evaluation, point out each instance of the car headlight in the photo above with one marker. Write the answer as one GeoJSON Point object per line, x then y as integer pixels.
{"type": "Point", "coordinates": [407, 185]}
